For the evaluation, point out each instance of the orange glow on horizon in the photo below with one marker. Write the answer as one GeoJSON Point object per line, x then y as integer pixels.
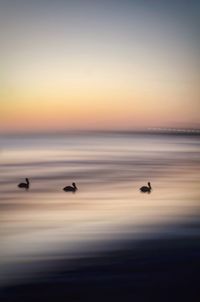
{"type": "Point", "coordinates": [136, 71]}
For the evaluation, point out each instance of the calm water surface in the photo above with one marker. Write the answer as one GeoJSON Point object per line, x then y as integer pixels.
{"type": "Point", "coordinates": [48, 223]}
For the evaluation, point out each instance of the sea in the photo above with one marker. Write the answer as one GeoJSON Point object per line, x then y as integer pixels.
{"type": "Point", "coordinates": [45, 223]}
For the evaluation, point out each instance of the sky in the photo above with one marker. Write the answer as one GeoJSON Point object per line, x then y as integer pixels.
{"type": "Point", "coordinates": [99, 65]}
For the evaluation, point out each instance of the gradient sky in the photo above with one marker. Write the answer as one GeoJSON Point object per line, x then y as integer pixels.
{"type": "Point", "coordinates": [99, 64]}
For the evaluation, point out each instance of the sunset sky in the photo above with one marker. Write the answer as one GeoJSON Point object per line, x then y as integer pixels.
{"type": "Point", "coordinates": [70, 65]}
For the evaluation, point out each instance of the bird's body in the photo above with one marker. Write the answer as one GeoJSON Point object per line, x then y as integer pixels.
{"type": "Point", "coordinates": [146, 189]}
{"type": "Point", "coordinates": [72, 188]}
{"type": "Point", "coordinates": [24, 185]}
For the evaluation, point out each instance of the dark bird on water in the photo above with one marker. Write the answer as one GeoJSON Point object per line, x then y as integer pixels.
{"type": "Point", "coordinates": [24, 185]}
{"type": "Point", "coordinates": [72, 188]}
{"type": "Point", "coordinates": [146, 189]}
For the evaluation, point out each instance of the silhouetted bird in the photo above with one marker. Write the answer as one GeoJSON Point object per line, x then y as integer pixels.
{"type": "Point", "coordinates": [24, 185]}
{"type": "Point", "coordinates": [72, 188]}
{"type": "Point", "coordinates": [146, 189]}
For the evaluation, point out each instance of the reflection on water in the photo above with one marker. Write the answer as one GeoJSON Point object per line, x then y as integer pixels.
{"type": "Point", "coordinates": [47, 223]}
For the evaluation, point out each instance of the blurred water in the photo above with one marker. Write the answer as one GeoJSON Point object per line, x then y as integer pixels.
{"type": "Point", "coordinates": [48, 223]}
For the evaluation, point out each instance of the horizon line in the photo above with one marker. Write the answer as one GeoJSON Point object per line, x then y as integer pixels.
{"type": "Point", "coordinates": [150, 130]}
